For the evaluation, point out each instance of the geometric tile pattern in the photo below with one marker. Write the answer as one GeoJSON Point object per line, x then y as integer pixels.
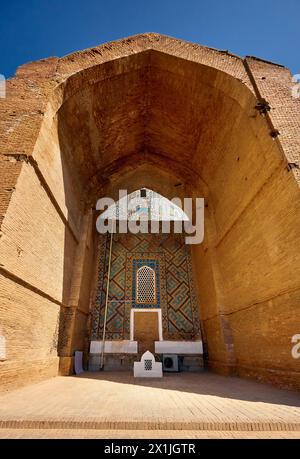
{"type": "Point", "coordinates": [169, 257]}
{"type": "Point", "coordinates": [183, 318]}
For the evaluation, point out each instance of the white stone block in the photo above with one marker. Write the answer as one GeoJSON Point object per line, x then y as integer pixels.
{"type": "Point", "coordinates": [178, 347]}
{"type": "Point", "coordinates": [114, 347]}
{"type": "Point", "coordinates": [147, 367]}
{"type": "Point", "coordinates": [78, 362]}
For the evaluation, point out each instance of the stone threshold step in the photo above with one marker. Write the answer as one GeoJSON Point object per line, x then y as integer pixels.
{"type": "Point", "coordinates": [148, 425]}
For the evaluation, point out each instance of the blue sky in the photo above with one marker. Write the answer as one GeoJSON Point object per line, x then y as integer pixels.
{"type": "Point", "coordinates": [33, 29]}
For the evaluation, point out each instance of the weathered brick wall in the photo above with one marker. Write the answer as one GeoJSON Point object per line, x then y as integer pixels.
{"type": "Point", "coordinates": [29, 324]}
{"type": "Point", "coordinates": [248, 268]}
{"type": "Point", "coordinates": [32, 231]}
{"type": "Point", "coordinates": [274, 83]}
{"type": "Point", "coordinates": [37, 251]}
{"type": "Point", "coordinates": [260, 270]}
{"type": "Point", "coordinates": [39, 229]}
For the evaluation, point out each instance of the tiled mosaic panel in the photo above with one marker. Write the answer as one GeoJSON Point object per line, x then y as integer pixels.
{"type": "Point", "coordinates": [172, 262]}
{"type": "Point", "coordinates": [134, 260]}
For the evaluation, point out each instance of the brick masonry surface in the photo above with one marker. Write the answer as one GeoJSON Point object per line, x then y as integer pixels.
{"type": "Point", "coordinates": [210, 404]}
{"type": "Point", "coordinates": [181, 119]}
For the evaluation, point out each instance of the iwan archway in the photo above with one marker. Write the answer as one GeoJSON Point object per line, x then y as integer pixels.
{"type": "Point", "coordinates": [144, 295]}
{"type": "Point", "coordinates": [185, 120]}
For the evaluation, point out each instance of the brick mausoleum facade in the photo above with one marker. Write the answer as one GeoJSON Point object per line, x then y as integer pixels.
{"type": "Point", "coordinates": [183, 120]}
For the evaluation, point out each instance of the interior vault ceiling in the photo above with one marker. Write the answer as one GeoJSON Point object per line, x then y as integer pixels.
{"type": "Point", "coordinates": [157, 109]}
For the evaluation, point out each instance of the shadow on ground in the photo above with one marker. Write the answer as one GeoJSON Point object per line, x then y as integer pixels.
{"type": "Point", "coordinates": [205, 383]}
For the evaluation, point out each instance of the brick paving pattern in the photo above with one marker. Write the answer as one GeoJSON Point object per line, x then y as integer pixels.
{"type": "Point", "coordinates": [115, 405]}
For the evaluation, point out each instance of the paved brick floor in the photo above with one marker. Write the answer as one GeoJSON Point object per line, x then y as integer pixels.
{"type": "Point", "coordinates": [139, 434]}
{"type": "Point", "coordinates": [196, 405]}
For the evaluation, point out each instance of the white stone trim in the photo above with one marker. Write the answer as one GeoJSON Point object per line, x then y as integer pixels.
{"type": "Point", "coordinates": [114, 347]}
{"type": "Point", "coordinates": [161, 347]}
{"type": "Point", "coordinates": [134, 310]}
{"type": "Point", "coordinates": [178, 347]}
